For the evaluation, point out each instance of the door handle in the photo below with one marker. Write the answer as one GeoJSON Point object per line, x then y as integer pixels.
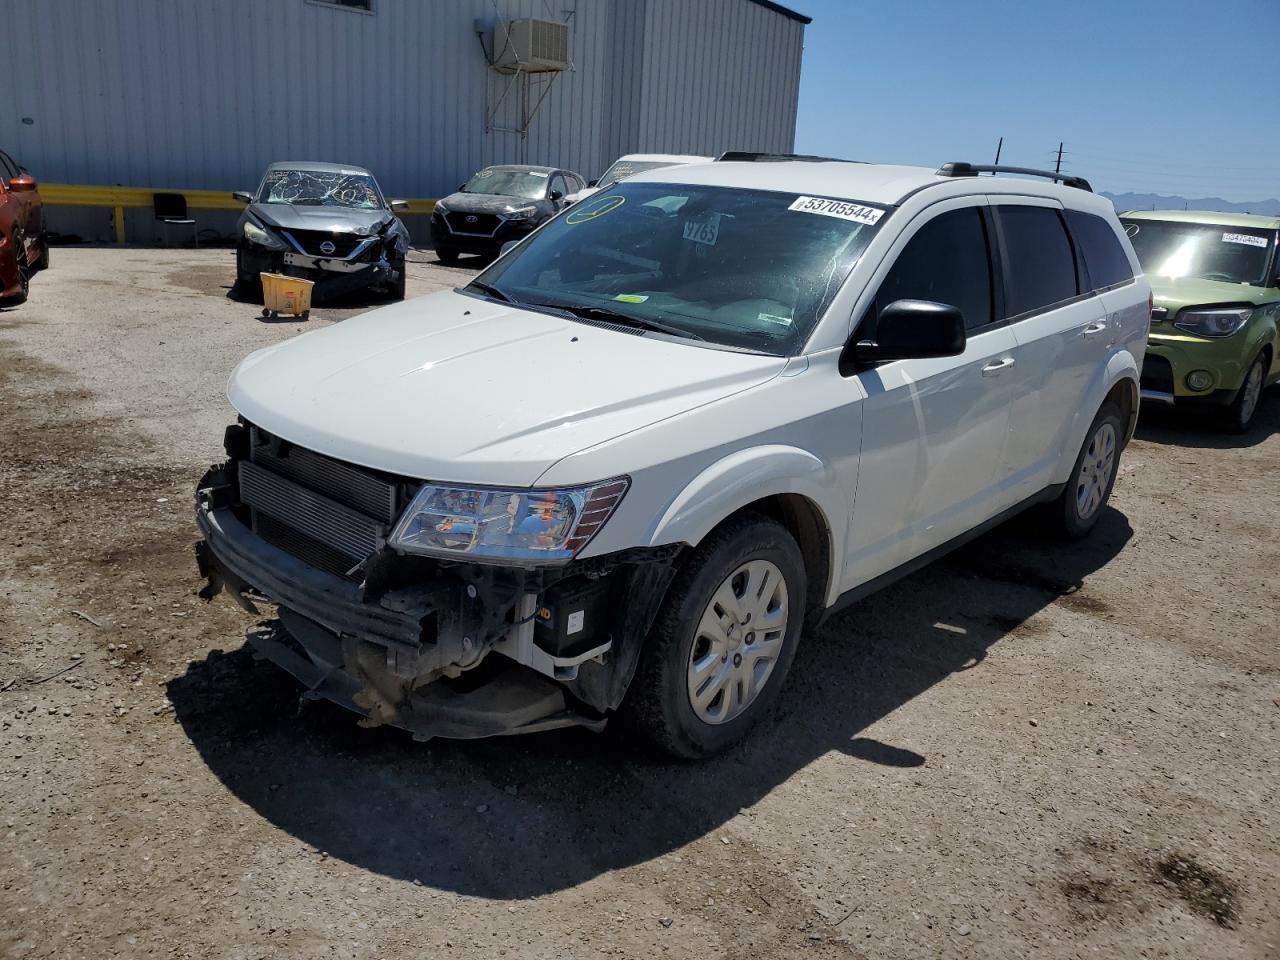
{"type": "Point", "coordinates": [1094, 329]}
{"type": "Point", "coordinates": [997, 367]}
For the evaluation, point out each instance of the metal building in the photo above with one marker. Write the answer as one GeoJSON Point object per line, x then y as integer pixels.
{"type": "Point", "coordinates": [188, 96]}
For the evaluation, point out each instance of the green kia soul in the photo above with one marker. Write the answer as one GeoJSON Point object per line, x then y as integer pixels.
{"type": "Point", "coordinates": [1216, 284]}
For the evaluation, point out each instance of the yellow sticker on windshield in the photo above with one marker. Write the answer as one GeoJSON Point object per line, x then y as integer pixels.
{"type": "Point", "coordinates": [591, 209]}
{"type": "Point", "coordinates": [631, 298]}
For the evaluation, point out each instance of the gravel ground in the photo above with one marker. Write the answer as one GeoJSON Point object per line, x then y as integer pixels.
{"type": "Point", "coordinates": [1025, 749]}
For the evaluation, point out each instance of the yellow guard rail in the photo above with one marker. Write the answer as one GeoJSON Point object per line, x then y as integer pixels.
{"type": "Point", "coordinates": [117, 198]}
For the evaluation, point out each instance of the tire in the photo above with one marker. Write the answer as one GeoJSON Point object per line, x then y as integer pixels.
{"type": "Point", "coordinates": [24, 272]}
{"type": "Point", "coordinates": [446, 255]}
{"type": "Point", "coordinates": [660, 704]}
{"type": "Point", "coordinates": [1239, 414]}
{"type": "Point", "coordinates": [42, 263]}
{"type": "Point", "coordinates": [248, 285]}
{"type": "Point", "coordinates": [395, 286]}
{"type": "Point", "coordinates": [1076, 510]}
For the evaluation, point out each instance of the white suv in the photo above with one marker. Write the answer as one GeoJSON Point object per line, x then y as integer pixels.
{"type": "Point", "coordinates": [618, 472]}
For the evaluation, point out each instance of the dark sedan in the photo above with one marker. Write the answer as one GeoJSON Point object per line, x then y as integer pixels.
{"type": "Point", "coordinates": [498, 205]}
{"type": "Point", "coordinates": [325, 222]}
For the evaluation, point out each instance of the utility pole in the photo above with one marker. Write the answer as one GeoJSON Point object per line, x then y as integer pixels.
{"type": "Point", "coordinates": [999, 147]}
{"type": "Point", "coordinates": [1057, 167]}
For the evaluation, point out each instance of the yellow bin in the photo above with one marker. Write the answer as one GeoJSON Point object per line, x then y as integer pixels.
{"type": "Point", "coordinates": [281, 294]}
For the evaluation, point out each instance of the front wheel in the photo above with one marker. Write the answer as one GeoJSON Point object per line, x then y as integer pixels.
{"type": "Point", "coordinates": [1239, 414]}
{"type": "Point", "coordinates": [24, 272]}
{"type": "Point", "coordinates": [723, 641]}
{"type": "Point", "coordinates": [395, 283]}
{"type": "Point", "coordinates": [42, 262]}
{"type": "Point", "coordinates": [446, 255]}
{"type": "Point", "coordinates": [1076, 510]}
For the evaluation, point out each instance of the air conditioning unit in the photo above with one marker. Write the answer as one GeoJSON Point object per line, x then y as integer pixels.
{"type": "Point", "coordinates": [534, 46]}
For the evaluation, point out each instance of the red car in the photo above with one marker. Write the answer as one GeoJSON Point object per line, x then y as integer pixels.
{"type": "Point", "coordinates": [24, 247]}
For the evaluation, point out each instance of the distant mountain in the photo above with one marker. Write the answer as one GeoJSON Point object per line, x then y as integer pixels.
{"type": "Point", "coordinates": [1150, 201]}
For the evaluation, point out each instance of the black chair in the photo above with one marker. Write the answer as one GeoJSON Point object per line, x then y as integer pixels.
{"type": "Point", "coordinates": [171, 209]}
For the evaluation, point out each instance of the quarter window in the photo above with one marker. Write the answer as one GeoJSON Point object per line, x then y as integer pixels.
{"type": "Point", "coordinates": [947, 261]}
{"type": "Point", "coordinates": [1041, 269]}
{"type": "Point", "coordinates": [1104, 258]}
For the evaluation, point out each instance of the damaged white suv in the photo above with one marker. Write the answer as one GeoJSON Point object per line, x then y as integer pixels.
{"type": "Point", "coordinates": [620, 471]}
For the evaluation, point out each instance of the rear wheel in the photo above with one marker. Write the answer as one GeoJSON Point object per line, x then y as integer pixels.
{"type": "Point", "coordinates": [1239, 414]}
{"type": "Point", "coordinates": [446, 255]}
{"type": "Point", "coordinates": [723, 642]}
{"type": "Point", "coordinates": [1076, 510]}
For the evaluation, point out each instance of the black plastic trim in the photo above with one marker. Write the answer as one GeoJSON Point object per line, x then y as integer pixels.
{"type": "Point", "coordinates": [862, 591]}
{"type": "Point", "coordinates": [962, 169]}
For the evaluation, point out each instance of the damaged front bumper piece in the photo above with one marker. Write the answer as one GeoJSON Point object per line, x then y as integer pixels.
{"type": "Point", "coordinates": [438, 649]}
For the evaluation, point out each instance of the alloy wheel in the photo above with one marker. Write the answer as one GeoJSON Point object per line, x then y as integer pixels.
{"type": "Point", "coordinates": [1252, 393]}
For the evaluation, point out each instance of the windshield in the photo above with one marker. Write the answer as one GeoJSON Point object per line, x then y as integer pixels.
{"type": "Point", "coordinates": [622, 169]}
{"type": "Point", "coordinates": [742, 268]}
{"type": "Point", "coordinates": [1168, 248]}
{"type": "Point", "coordinates": [320, 188]}
{"type": "Point", "coordinates": [526, 184]}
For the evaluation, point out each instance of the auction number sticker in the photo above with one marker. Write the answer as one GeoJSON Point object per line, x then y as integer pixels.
{"type": "Point", "coordinates": [703, 231]}
{"type": "Point", "coordinates": [842, 209]}
{"type": "Point", "coordinates": [1244, 238]}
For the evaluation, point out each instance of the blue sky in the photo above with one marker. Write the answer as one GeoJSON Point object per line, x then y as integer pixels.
{"type": "Point", "coordinates": [1161, 96]}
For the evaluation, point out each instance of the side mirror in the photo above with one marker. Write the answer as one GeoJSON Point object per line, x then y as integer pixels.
{"type": "Point", "coordinates": [914, 330]}
{"type": "Point", "coordinates": [399, 204]}
{"type": "Point", "coordinates": [241, 196]}
{"type": "Point", "coordinates": [22, 183]}
{"type": "Point", "coordinates": [556, 196]}
{"type": "Point", "coordinates": [592, 183]}
{"type": "Point", "coordinates": [462, 188]}
{"type": "Point", "coordinates": [502, 251]}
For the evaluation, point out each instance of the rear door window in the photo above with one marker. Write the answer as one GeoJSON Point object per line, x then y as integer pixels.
{"type": "Point", "coordinates": [947, 261]}
{"type": "Point", "coordinates": [1104, 258]}
{"type": "Point", "coordinates": [1040, 264]}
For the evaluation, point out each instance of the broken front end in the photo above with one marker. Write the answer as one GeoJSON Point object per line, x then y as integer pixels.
{"type": "Point", "coordinates": [375, 613]}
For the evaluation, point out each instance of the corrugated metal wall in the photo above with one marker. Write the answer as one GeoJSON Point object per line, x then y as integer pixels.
{"type": "Point", "coordinates": [205, 94]}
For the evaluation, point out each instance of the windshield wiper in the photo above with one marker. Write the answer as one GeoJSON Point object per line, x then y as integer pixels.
{"type": "Point", "coordinates": [587, 312]}
{"type": "Point", "coordinates": [490, 290]}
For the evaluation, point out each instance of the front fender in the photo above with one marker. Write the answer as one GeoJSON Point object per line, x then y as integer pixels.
{"type": "Point", "coordinates": [747, 476]}
{"type": "Point", "coordinates": [1121, 366]}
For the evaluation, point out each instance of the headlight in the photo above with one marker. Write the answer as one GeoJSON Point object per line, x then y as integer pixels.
{"type": "Point", "coordinates": [524, 213]}
{"type": "Point", "coordinates": [1214, 323]}
{"type": "Point", "coordinates": [534, 526]}
{"type": "Point", "coordinates": [439, 207]}
{"type": "Point", "coordinates": [255, 234]}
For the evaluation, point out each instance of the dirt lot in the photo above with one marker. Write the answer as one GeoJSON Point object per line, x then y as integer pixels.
{"type": "Point", "coordinates": [1024, 750]}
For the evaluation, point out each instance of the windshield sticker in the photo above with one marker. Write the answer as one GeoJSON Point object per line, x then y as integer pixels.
{"type": "Point", "coordinates": [774, 318]}
{"type": "Point", "coordinates": [631, 297]}
{"type": "Point", "coordinates": [838, 208]}
{"type": "Point", "coordinates": [594, 208]}
{"type": "Point", "coordinates": [1244, 238]}
{"type": "Point", "coordinates": [703, 231]}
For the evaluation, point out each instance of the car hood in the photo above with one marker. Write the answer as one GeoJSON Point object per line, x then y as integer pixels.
{"type": "Point", "coordinates": [485, 203]}
{"type": "Point", "coordinates": [1175, 294]}
{"type": "Point", "coordinates": [454, 388]}
{"type": "Point", "coordinates": [330, 219]}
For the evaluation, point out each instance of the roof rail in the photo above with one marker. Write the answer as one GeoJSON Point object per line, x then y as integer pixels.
{"type": "Point", "coordinates": [960, 169]}
{"type": "Point", "coordinates": [750, 156]}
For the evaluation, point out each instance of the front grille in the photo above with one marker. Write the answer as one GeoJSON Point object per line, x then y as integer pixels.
{"type": "Point", "coordinates": [364, 490]}
{"type": "Point", "coordinates": [329, 514]}
{"type": "Point", "coordinates": [1157, 374]}
{"type": "Point", "coordinates": [481, 224]}
{"type": "Point", "coordinates": [344, 244]}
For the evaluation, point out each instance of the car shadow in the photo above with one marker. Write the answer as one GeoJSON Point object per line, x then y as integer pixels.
{"type": "Point", "coordinates": [1191, 427]}
{"type": "Point", "coordinates": [518, 817]}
